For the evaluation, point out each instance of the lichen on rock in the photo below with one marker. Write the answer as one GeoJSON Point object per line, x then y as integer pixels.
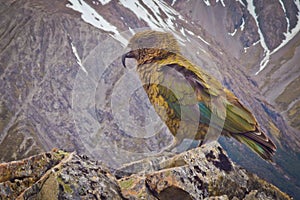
{"type": "Point", "coordinates": [202, 173]}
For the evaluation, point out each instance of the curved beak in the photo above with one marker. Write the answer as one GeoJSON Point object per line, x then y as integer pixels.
{"type": "Point", "coordinates": [129, 54]}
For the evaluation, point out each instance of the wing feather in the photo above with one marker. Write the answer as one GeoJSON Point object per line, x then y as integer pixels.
{"type": "Point", "coordinates": [220, 101]}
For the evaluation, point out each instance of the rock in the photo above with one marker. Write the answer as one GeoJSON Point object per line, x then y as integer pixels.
{"type": "Point", "coordinates": [17, 176]}
{"type": "Point", "coordinates": [57, 175]}
{"type": "Point", "coordinates": [201, 173]}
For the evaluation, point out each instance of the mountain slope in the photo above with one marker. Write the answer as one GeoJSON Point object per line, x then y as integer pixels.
{"type": "Point", "coordinates": [60, 76]}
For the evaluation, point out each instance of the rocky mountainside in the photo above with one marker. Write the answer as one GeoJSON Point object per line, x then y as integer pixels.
{"type": "Point", "coordinates": [203, 173]}
{"type": "Point", "coordinates": [63, 86]}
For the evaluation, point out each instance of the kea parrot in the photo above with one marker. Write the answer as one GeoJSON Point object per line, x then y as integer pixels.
{"type": "Point", "coordinates": [187, 99]}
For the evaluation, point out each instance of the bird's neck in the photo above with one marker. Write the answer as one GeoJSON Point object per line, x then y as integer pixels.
{"type": "Point", "coordinates": [149, 73]}
{"type": "Point", "coordinates": [149, 64]}
{"type": "Point", "coordinates": [147, 56]}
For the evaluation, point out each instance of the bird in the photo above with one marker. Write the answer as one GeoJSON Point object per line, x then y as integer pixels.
{"type": "Point", "coordinates": [187, 98]}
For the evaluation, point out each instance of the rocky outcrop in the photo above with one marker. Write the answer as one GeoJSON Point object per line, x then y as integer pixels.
{"type": "Point", "coordinates": [17, 176]}
{"type": "Point", "coordinates": [57, 175]}
{"type": "Point", "coordinates": [202, 173]}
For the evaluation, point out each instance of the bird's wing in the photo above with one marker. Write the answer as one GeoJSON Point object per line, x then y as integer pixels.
{"type": "Point", "coordinates": [221, 109]}
{"type": "Point", "coordinates": [214, 100]}
{"type": "Point", "coordinates": [178, 93]}
{"type": "Point", "coordinates": [193, 97]}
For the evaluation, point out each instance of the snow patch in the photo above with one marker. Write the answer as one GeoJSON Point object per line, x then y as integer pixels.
{"type": "Point", "coordinates": [190, 32]}
{"type": "Point", "coordinates": [233, 33]}
{"type": "Point", "coordinates": [182, 31]}
{"type": "Point", "coordinates": [290, 35]}
{"type": "Point", "coordinates": [95, 3]}
{"type": "Point", "coordinates": [155, 18]}
{"type": "Point", "coordinates": [203, 40]}
{"type": "Point", "coordinates": [78, 60]}
{"type": "Point", "coordinates": [206, 2]}
{"type": "Point", "coordinates": [241, 2]}
{"type": "Point", "coordinates": [131, 31]}
{"type": "Point", "coordinates": [266, 58]}
{"type": "Point", "coordinates": [245, 48]}
{"type": "Point", "coordinates": [103, 2]}
{"type": "Point", "coordinates": [173, 2]}
{"type": "Point", "coordinates": [89, 15]}
{"type": "Point", "coordinates": [256, 43]}
{"type": "Point", "coordinates": [243, 24]}
{"type": "Point", "coordinates": [222, 2]}
{"type": "Point", "coordinates": [287, 19]}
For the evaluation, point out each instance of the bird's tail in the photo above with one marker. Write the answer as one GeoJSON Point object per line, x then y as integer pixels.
{"type": "Point", "coordinates": [258, 142]}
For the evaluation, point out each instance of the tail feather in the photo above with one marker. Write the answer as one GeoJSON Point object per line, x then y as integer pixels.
{"type": "Point", "coordinates": [258, 142]}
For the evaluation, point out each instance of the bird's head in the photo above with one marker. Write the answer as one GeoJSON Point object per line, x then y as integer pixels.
{"type": "Point", "coordinates": [150, 45]}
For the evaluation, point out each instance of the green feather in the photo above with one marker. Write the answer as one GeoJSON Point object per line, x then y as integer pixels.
{"type": "Point", "coordinates": [256, 147]}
